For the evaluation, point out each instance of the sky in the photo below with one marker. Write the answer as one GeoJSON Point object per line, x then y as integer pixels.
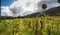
{"type": "Point", "coordinates": [6, 2]}
{"type": "Point", "coordinates": [25, 7]}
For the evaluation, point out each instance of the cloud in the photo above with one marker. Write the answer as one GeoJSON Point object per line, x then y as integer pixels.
{"type": "Point", "coordinates": [50, 3]}
{"type": "Point", "coordinates": [25, 7]}
{"type": "Point", "coordinates": [31, 6]}
{"type": "Point", "coordinates": [5, 11]}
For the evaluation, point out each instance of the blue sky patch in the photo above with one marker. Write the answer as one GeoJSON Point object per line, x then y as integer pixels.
{"type": "Point", "coordinates": [6, 2]}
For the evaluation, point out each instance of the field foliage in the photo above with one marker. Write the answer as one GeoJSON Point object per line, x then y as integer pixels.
{"type": "Point", "coordinates": [49, 25]}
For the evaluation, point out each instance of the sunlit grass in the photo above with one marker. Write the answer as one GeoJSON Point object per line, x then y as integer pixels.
{"type": "Point", "coordinates": [27, 26]}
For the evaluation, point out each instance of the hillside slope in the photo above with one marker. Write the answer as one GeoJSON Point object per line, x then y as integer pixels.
{"type": "Point", "coordinates": [50, 12]}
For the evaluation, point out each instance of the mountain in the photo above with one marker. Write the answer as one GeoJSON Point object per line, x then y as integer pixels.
{"type": "Point", "coordinates": [50, 12]}
{"type": "Point", "coordinates": [53, 11]}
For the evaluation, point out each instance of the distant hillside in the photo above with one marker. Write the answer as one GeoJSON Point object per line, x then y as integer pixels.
{"type": "Point", "coordinates": [53, 11]}
{"type": "Point", "coordinates": [50, 12]}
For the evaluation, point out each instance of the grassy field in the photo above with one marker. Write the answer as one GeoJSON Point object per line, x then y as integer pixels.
{"type": "Point", "coordinates": [49, 25]}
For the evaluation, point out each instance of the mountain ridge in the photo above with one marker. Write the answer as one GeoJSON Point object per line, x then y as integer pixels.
{"type": "Point", "coordinates": [50, 12]}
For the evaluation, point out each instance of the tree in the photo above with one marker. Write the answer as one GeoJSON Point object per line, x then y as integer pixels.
{"type": "Point", "coordinates": [58, 1]}
{"type": "Point", "coordinates": [44, 6]}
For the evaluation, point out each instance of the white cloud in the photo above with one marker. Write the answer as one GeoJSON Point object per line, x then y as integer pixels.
{"type": "Point", "coordinates": [31, 6]}
{"type": "Point", "coordinates": [25, 7]}
{"type": "Point", "coordinates": [5, 11]}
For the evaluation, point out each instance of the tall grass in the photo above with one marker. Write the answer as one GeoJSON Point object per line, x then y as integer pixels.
{"type": "Point", "coordinates": [31, 26]}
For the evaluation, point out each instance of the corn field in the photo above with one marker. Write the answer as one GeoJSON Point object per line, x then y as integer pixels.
{"type": "Point", "coordinates": [31, 26]}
